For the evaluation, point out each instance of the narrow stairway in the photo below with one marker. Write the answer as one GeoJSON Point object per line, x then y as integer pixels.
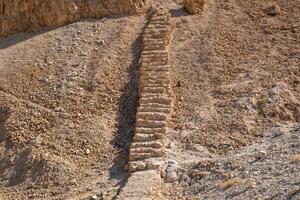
{"type": "Point", "coordinates": [146, 158]}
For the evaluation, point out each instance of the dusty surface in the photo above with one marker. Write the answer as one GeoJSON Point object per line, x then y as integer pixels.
{"type": "Point", "coordinates": [236, 76]}
{"type": "Point", "coordinates": [68, 99]}
{"type": "Point", "coordinates": [69, 93]}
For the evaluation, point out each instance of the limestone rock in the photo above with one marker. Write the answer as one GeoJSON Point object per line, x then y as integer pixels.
{"type": "Point", "coordinates": [20, 15]}
{"type": "Point", "coordinates": [194, 6]}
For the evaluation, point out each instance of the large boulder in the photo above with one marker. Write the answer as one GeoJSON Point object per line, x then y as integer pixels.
{"type": "Point", "coordinates": [194, 6]}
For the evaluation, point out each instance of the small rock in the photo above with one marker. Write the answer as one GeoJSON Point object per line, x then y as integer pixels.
{"type": "Point", "coordinates": [273, 10]}
{"type": "Point", "coordinates": [59, 109]}
{"type": "Point", "coordinates": [171, 175]}
{"type": "Point", "coordinates": [100, 42]}
{"type": "Point", "coordinates": [87, 151]}
{"type": "Point", "coordinates": [178, 84]}
{"type": "Point", "coordinates": [94, 197]}
{"type": "Point", "coordinates": [261, 154]}
{"type": "Point", "coordinates": [251, 184]}
{"type": "Point", "coordinates": [84, 54]}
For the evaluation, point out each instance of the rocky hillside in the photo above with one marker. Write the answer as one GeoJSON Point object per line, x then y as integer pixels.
{"type": "Point", "coordinates": [20, 15]}
{"type": "Point", "coordinates": [69, 98]}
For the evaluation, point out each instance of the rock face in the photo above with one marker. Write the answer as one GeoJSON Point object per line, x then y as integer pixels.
{"type": "Point", "coordinates": [194, 6]}
{"type": "Point", "coordinates": [21, 15]}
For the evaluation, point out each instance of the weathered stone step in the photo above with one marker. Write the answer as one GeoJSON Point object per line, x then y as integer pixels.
{"type": "Point", "coordinates": [153, 25]}
{"type": "Point", "coordinates": [153, 144]}
{"type": "Point", "coordinates": [154, 100]}
{"type": "Point", "coordinates": [159, 99]}
{"type": "Point", "coordinates": [157, 30]}
{"type": "Point", "coordinates": [169, 94]}
{"type": "Point", "coordinates": [164, 41]}
{"type": "Point", "coordinates": [155, 62]}
{"type": "Point", "coordinates": [162, 82]}
{"type": "Point", "coordinates": [155, 53]}
{"type": "Point", "coordinates": [156, 69]}
{"type": "Point", "coordinates": [142, 156]}
{"type": "Point", "coordinates": [155, 85]}
{"type": "Point", "coordinates": [140, 165]}
{"type": "Point", "coordinates": [152, 48]}
{"type": "Point", "coordinates": [147, 137]}
{"type": "Point", "coordinates": [154, 40]}
{"type": "Point", "coordinates": [149, 59]}
{"type": "Point", "coordinates": [151, 130]}
{"type": "Point", "coordinates": [151, 116]}
{"type": "Point", "coordinates": [151, 124]}
{"type": "Point", "coordinates": [155, 79]}
{"type": "Point", "coordinates": [159, 37]}
{"type": "Point", "coordinates": [155, 105]}
{"type": "Point", "coordinates": [160, 18]}
{"type": "Point", "coordinates": [151, 56]}
{"type": "Point", "coordinates": [147, 150]}
{"type": "Point", "coordinates": [151, 90]}
{"type": "Point", "coordinates": [153, 109]}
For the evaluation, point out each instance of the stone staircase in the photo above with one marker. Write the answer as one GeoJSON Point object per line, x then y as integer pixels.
{"type": "Point", "coordinates": [146, 160]}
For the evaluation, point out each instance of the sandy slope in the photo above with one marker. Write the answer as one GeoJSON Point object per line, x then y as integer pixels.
{"type": "Point", "coordinates": [70, 94]}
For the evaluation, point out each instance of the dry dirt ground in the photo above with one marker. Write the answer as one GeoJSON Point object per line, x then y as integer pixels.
{"type": "Point", "coordinates": [68, 98]}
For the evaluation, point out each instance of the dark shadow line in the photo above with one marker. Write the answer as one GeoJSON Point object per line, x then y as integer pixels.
{"type": "Point", "coordinates": [179, 12]}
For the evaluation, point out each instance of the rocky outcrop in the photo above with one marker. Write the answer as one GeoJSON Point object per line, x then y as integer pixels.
{"type": "Point", "coordinates": [194, 6]}
{"type": "Point", "coordinates": [22, 15]}
{"type": "Point", "coordinates": [146, 159]}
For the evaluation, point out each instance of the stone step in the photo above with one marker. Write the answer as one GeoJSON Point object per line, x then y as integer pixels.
{"type": "Point", "coordinates": [151, 130]}
{"type": "Point", "coordinates": [150, 90]}
{"type": "Point", "coordinates": [147, 150]}
{"type": "Point", "coordinates": [153, 144]}
{"type": "Point", "coordinates": [155, 85]}
{"type": "Point", "coordinates": [159, 37]}
{"type": "Point", "coordinates": [153, 25]}
{"type": "Point", "coordinates": [155, 62]}
{"type": "Point", "coordinates": [152, 116]}
{"type": "Point", "coordinates": [147, 137]}
{"type": "Point", "coordinates": [160, 100]}
{"type": "Point", "coordinates": [169, 94]}
{"type": "Point", "coordinates": [150, 30]}
{"type": "Point", "coordinates": [143, 156]}
{"type": "Point", "coordinates": [156, 110]}
{"type": "Point", "coordinates": [154, 79]}
{"type": "Point", "coordinates": [151, 124]}
{"type": "Point", "coordinates": [160, 17]}
{"type": "Point", "coordinates": [152, 48]}
{"type": "Point", "coordinates": [156, 69]}
{"type": "Point", "coordinates": [164, 41]}
{"type": "Point", "coordinates": [153, 75]}
{"type": "Point", "coordinates": [147, 164]}
{"type": "Point", "coordinates": [154, 105]}
{"type": "Point", "coordinates": [151, 56]}
{"type": "Point", "coordinates": [155, 53]}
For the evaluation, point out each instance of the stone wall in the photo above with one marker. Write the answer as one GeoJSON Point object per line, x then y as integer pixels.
{"type": "Point", "coordinates": [23, 15]}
